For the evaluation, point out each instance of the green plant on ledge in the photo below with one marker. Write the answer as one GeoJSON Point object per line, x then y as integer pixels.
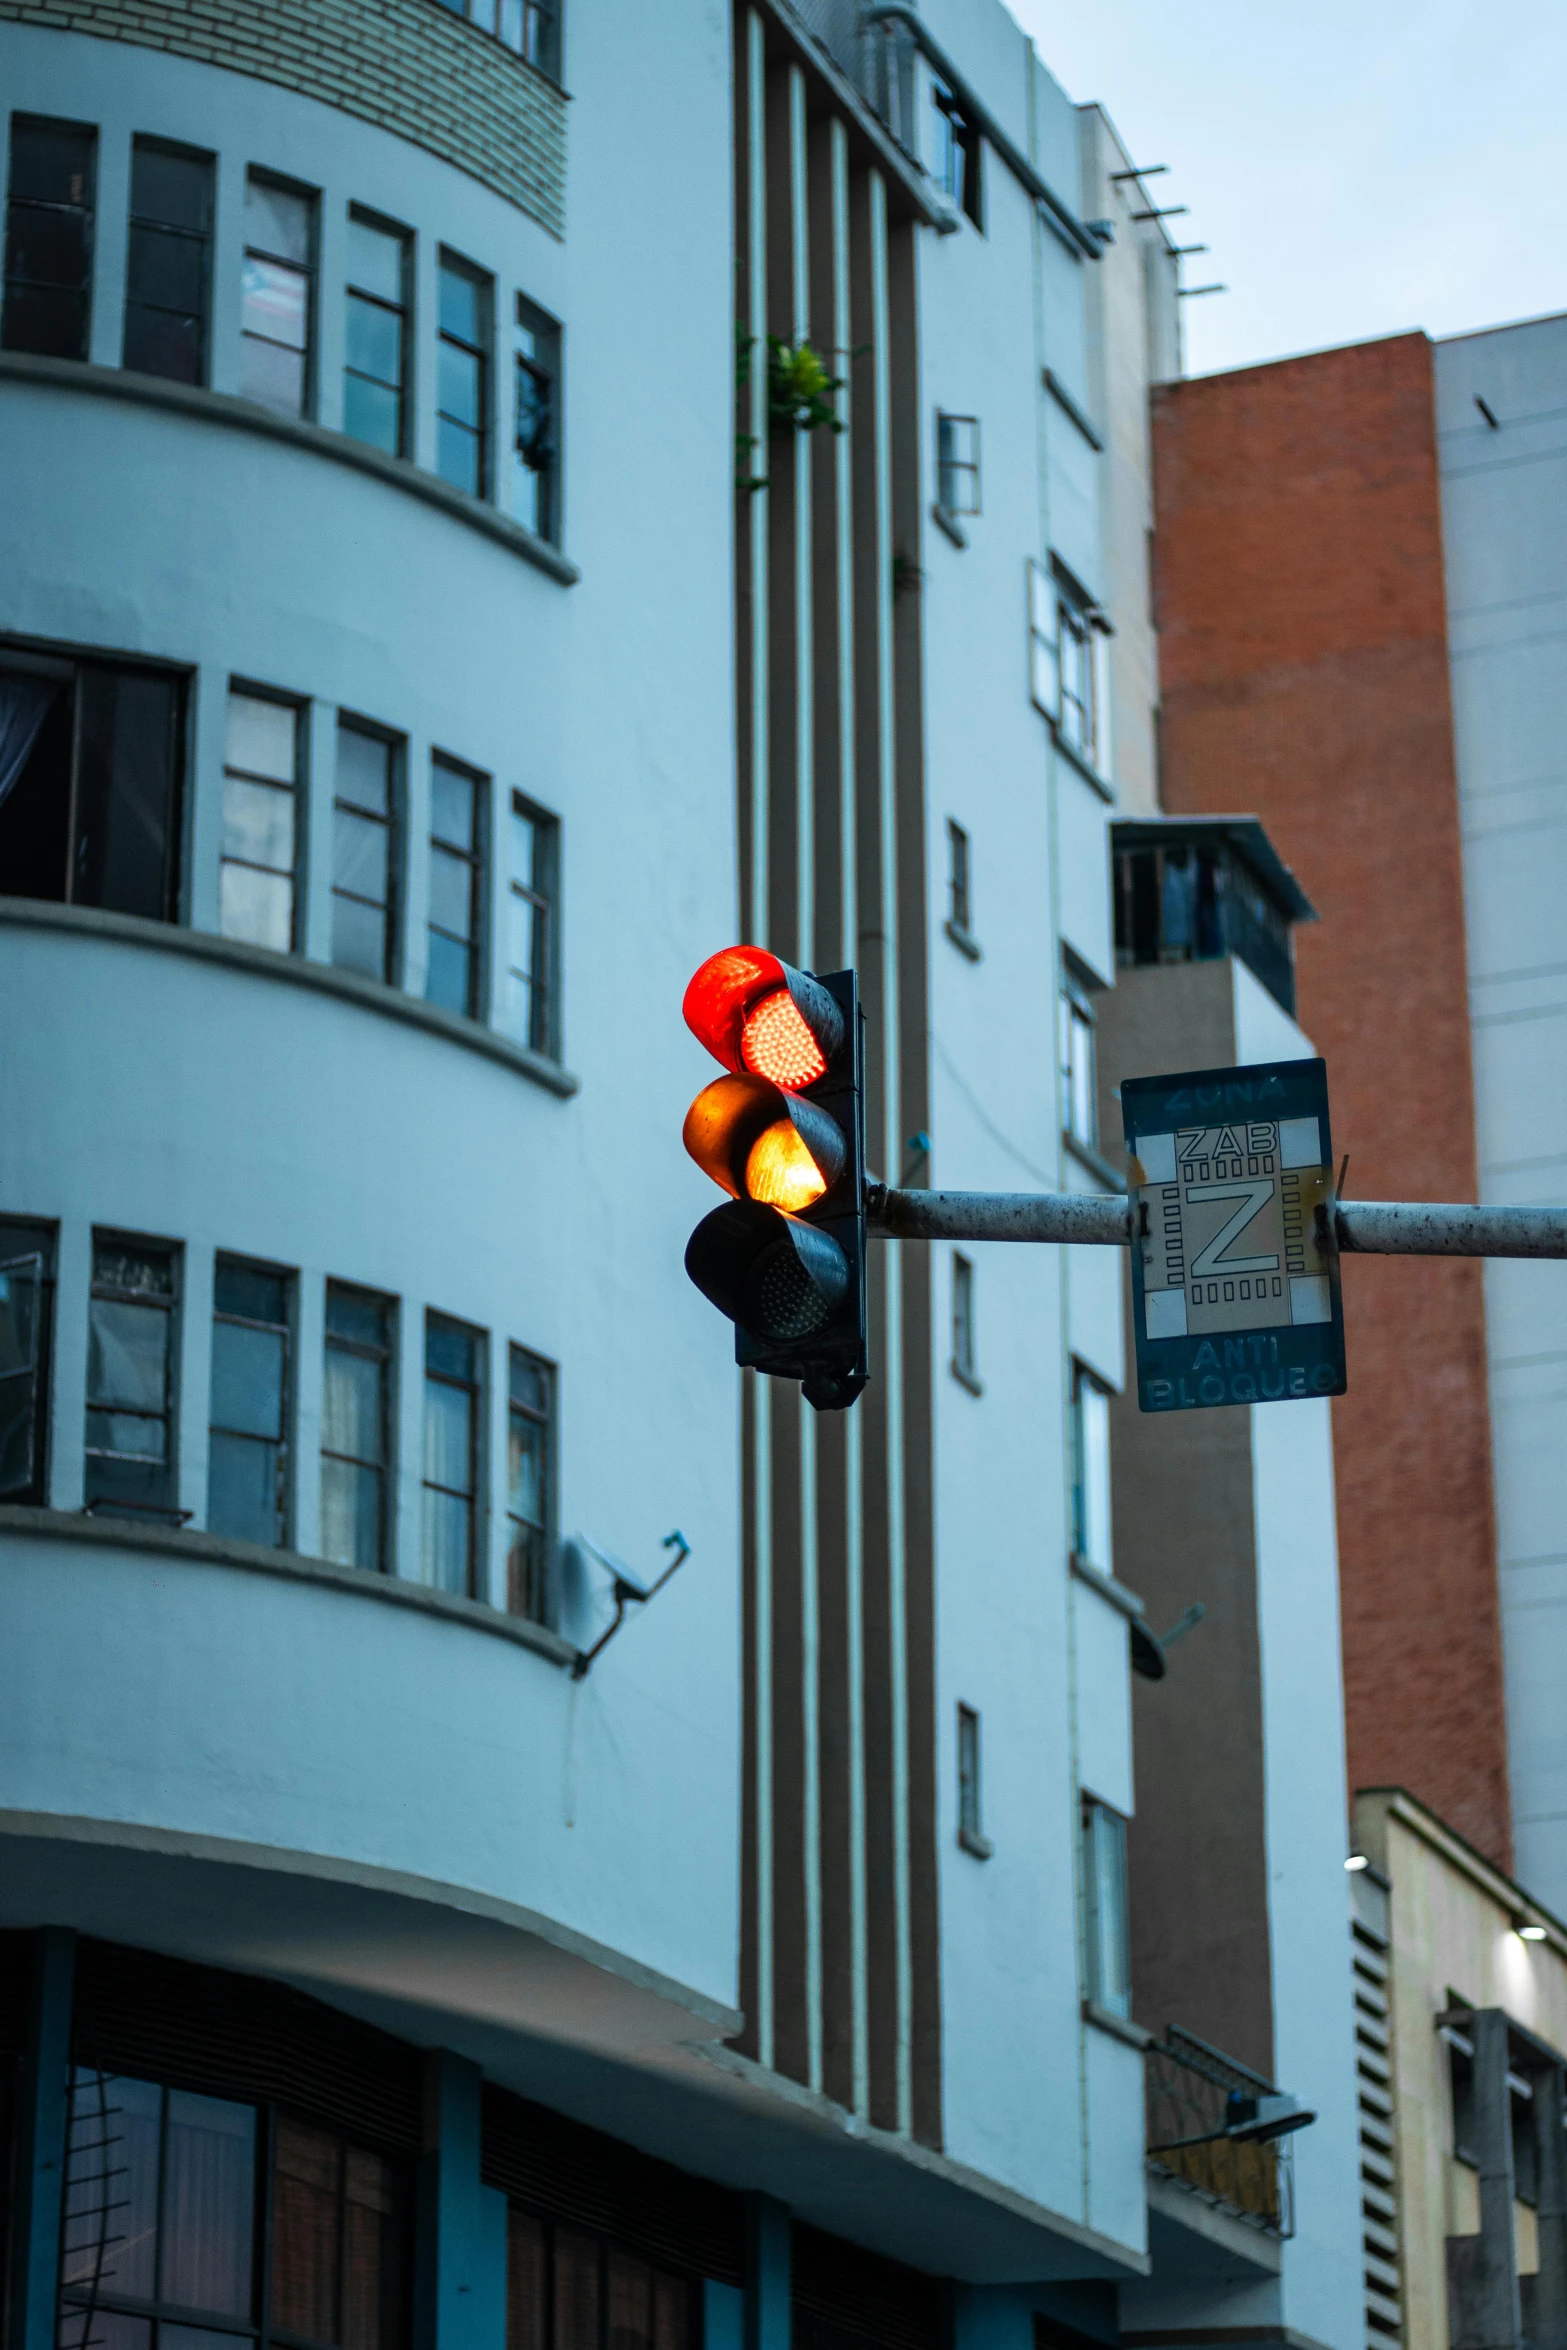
{"type": "Point", "coordinates": [800, 392]}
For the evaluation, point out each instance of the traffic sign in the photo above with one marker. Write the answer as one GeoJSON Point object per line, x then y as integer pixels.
{"type": "Point", "coordinates": [1235, 1282]}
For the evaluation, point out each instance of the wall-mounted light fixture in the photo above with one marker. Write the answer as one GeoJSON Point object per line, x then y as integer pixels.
{"type": "Point", "coordinates": [1357, 1860]}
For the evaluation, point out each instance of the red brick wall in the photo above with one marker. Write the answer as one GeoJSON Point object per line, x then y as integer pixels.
{"type": "Point", "coordinates": [1303, 658]}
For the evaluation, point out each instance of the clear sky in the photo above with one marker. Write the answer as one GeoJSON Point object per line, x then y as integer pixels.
{"type": "Point", "coordinates": [1357, 167]}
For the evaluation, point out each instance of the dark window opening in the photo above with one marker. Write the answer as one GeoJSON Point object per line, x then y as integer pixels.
{"type": "Point", "coordinates": [26, 1332]}
{"type": "Point", "coordinates": [531, 1010]}
{"type": "Point", "coordinates": [168, 262]}
{"type": "Point", "coordinates": [364, 854]}
{"type": "Point", "coordinates": [956, 161]}
{"type": "Point", "coordinates": [536, 451]}
{"type": "Point", "coordinates": [90, 784]}
{"type": "Point", "coordinates": [356, 1428]}
{"type": "Point", "coordinates": [132, 1349]}
{"type": "Point", "coordinates": [530, 1485]}
{"type": "Point", "coordinates": [223, 2223]}
{"type": "Point", "coordinates": [1196, 899]}
{"type": "Point", "coordinates": [453, 1382]}
{"type": "Point", "coordinates": [247, 1462]}
{"type": "Point", "coordinates": [49, 238]}
{"type": "Point", "coordinates": [569, 2290]}
{"type": "Point", "coordinates": [375, 376]}
{"type": "Point", "coordinates": [957, 463]}
{"type": "Point", "coordinates": [456, 926]}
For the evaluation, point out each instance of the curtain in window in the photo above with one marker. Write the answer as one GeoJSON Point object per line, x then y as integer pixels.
{"type": "Point", "coordinates": [24, 705]}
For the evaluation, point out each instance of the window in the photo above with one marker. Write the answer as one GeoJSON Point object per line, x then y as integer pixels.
{"type": "Point", "coordinates": [375, 377]}
{"type": "Point", "coordinates": [1090, 1470]}
{"type": "Point", "coordinates": [90, 783]}
{"type": "Point", "coordinates": [1041, 639]}
{"type": "Point", "coordinates": [260, 821]}
{"type": "Point", "coordinates": [955, 154]}
{"type": "Point", "coordinates": [530, 27]}
{"type": "Point", "coordinates": [364, 853]}
{"type": "Point", "coordinates": [529, 1484]}
{"type": "Point", "coordinates": [535, 458]}
{"type": "Point", "coordinates": [168, 262]}
{"type": "Point", "coordinates": [462, 386]}
{"type": "Point", "coordinates": [560, 2281]}
{"type": "Point", "coordinates": [456, 887]}
{"type": "Point", "coordinates": [356, 1428]}
{"type": "Point", "coordinates": [131, 1333]}
{"type": "Point", "coordinates": [276, 298]}
{"type": "Point", "coordinates": [964, 1367]}
{"type": "Point", "coordinates": [960, 909]}
{"type": "Point", "coordinates": [530, 953]}
{"type": "Point", "coordinates": [1107, 1965]}
{"type": "Point", "coordinates": [49, 238]}
{"type": "Point", "coordinates": [957, 463]}
{"type": "Point", "coordinates": [971, 1825]}
{"type": "Point", "coordinates": [247, 1464]}
{"type": "Point", "coordinates": [1077, 715]}
{"type": "Point", "coordinates": [164, 2221]}
{"type": "Point", "coordinates": [451, 1454]}
{"type": "Point", "coordinates": [26, 1321]}
{"type": "Point", "coordinates": [1079, 1107]}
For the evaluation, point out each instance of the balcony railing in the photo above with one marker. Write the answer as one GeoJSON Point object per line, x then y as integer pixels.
{"type": "Point", "coordinates": [1188, 2086]}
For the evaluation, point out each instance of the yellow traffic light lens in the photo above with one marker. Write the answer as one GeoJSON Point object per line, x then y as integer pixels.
{"type": "Point", "coordinates": [780, 1171]}
{"type": "Point", "coordinates": [777, 1043]}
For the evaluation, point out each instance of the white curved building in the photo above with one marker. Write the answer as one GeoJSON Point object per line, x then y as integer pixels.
{"type": "Point", "coordinates": [372, 1972]}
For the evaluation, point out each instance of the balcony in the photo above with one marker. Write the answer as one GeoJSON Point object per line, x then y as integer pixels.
{"type": "Point", "coordinates": [1188, 2091]}
{"type": "Point", "coordinates": [1193, 889]}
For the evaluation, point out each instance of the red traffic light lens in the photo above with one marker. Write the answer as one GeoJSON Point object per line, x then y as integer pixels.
{"type": "Point", "coordinates": [756, 1013]}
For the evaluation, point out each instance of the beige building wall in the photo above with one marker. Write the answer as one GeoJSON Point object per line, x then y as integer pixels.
{"type": "Point", "coordinates": [1452, 1943]}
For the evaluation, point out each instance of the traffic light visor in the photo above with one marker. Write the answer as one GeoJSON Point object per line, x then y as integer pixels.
{"type": "Point", "coordinates": [761, 1143]}
{"type": "Point", "coordinates": [758, 1014]}
{"type": "Point", "coordinates": [779, 1278]}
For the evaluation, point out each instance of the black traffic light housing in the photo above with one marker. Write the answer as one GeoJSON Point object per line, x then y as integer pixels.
{"type": "Point", "coordinates": [785, 1258]}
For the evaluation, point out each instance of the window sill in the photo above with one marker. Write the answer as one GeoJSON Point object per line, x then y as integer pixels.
{"type": "Point", "coordinates": [971, 1841]}
{"type": "Point", "coordinates": [122, 1534]}
{"type": "Point", "coordinates": [1070, 409]}
{"type": "Point", "coordinates": [965, 942]}
{"type": "Point", "coordinates": [173, 938]}
{"type": "Point", "coordinates": [1075, 758]}
{"type": "Point", "coordinates": [946, 520]}
{"type": "Point", "coordinates": [222, 408]}
{"type": "Point", "coordinates": [966, 1379]}
{"type": "Point", "coordinates": [1119, 2027]}
{"type": "Point", "coordinates": [1087, 1156]}
{"type": "Point", "coordinates": [1120, 1598]}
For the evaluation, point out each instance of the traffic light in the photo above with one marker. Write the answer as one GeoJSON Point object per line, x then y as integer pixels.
{"type": "Point", "coordinates": [784, 1134]}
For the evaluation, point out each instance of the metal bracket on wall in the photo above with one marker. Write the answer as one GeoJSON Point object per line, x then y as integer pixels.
{"type": "Point", "coordinates": [627, 1589]}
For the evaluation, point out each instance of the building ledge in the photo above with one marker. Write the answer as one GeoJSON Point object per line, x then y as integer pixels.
{"type": "Point", "coordinates": [223, 409]}
{"type": "Point", "coordinates": [153, 1541]}
{"type": "Point", "coordinates": [372, 995]}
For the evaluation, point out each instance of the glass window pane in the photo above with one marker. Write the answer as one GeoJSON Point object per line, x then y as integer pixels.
{"type": "Point", "coordinates": [160, 342]}
{"type": "Point", "coordinates": [375, 341]}
{"type": "Point", "coordinates": [208, 2201]}
{"type": "Point", "coordinates": [462, 312]}
{"type": "Point", "coordinates": [369, 2249]}
{"type": "Point", "coordinates": [278, 221]}
{"type": "Point", "coordinates": [1094, 1423]}
{"type": "Point", "coordinates": [448, 1435]}
{"type": "Point", "coordinates": [247, 1379]}
{"type": "Point", "coordinates": [529, 1382]}
{"type": "Point", "coordinates": [452, 801]}
{"type": "Point", "coordinates": [262, 737]}
{"type": "Point", "coordinates": [353, 1405]}
{"type": "Point", "coordinates": [258, 823]}
{"type": "Point", "coordinates": [103, 2329]}
{"type": "Point", "coordinates": [350, 1514]}
{"type": "Point", "coordinates": [448, 1527]}
{"type": "Point", "coordinates": [525, 1469]}
{"type": "Point", "coordinates": [449, 974]}
{"type": "Point", "coordinates": [50, 248]}
{"type": "Point", "coordinates": [460, 379]}
{"type": "Point", "coordinates": [364, 770]}
{"type": "Point", "coordinates": [451, 891]}
{"type": "Point", "coordinates": [52, 324]}
{"type": "Point", "coordinates": [373, 413]}
{"type": "Point", "coordinates": [304, 2231]}
{"type": "Point", "coordinates": [360, 855]}
{"type": "Point", "coordinates": [359, 938]}
{"type": "Point", "coordinates": [244, 1489]}
{"type": "Point", "coordinates": [19, 1307]}
{"type": "Point", "coordinates": [257, 908]}
{"type": "Point", "coordinates": [166, 269]}
{"type": "Point", "coordinates": [150, 1271]}
{"type": "Point", "coordinates": [127, 1355]}
{"type": "Point", "coordinates": [174, 189]}
{"type": "Point", "coordinates": [126, 2114]}
{"type": "Point", "coordinates": [451, 1348]}
{"type": "Point", "coordinates": [457, 456]}
{"type": "Point", "coordinates": [250, 1291]}
{"type": "Point", "coordinates": [671, 2313]}
{"type": "Point", "coordinates": [576, 2291]}
{"type": "Point", "coordinates": [526, 2283]}
{"type": "Point", "coordinates": [351, 1313]}
{"type": "Point", "coordinates": [630, 2303]}
{"type": "Point", "coordinates": [275, 302]}
{"type": "Point", "coordinates": [375, 260]}
{"type": "Point", "coordinates": [51, 162]}
{"type": "Point", "coordinates": [271, 376]}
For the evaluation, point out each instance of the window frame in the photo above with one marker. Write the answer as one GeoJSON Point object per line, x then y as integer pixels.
{"type": "Point", "coordinates": [448, 260]}
{"type": "Point", "coordinates": [954, 470]}
{"type": "Point", "coordinates": [544, 898]}
{"type": "Point", "coordinates": [1079, 1025]}
{"type": "Point", "coordinates": [88, 209]}
{"type": "Point", "coordinates": [24, 1240]}
{"type": "Point", "coordinates": [537, 22]}
{"type": "Point", "coordinates": [172, 1307]}
{"type": "Point", "coordinates": [261, 175]}
{"type": "Point", "coordinates": [385, 1353]}
{"type": "Point", "coordinates": [287, 1329]}
{"type": "Point", "coordinates": [964, 1364]}
{"type": "Point", "coordinates": [248, 691]}
{"type": "Point", "coordinates": [366, 217]}
{"type": "Point", "coordinates": [959, 148]}
{"type": "Point", "coordinates": [473, 1496]}
{"type": "Point", "coordinates": [395, 747]}
{"type": "Point", "coordinates": [1101, 1827]}
{"type": "Point", "coordinates": [478, 862]}
{"type": "Point", "coordinates": [545, 1531]}
{"type": "Point", "coordinates": [144, 144]}
{"type": "Point", "coordinates": [544, 366]}
{"type": "Point", "coordinates": [1086, 1383]}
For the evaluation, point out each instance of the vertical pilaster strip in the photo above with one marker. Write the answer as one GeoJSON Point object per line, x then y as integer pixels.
{"type": "Point", "coordinates": [40, 2154]}
{"type": "Point", "coordinates": [768, 2311]}
{"type": "Point", "coordinates": [460, 2276]}
{"type": "Point", "coordinates": [1550, 2211]}
{"type": "Point", "coordinates": [1494, 2308]}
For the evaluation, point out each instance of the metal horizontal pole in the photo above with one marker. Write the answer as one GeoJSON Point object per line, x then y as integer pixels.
{"type": "Point", "coordinates": [1412, 1228]}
